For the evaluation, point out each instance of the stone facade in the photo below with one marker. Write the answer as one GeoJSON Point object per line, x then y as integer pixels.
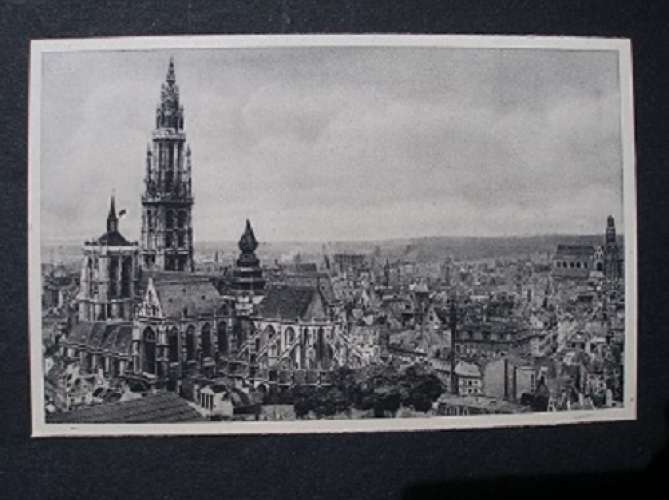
{"type": "Point", "coordinates": [109, 275]}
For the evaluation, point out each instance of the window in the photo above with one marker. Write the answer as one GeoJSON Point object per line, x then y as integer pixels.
{"type": "Point", "coordinates": [190, 343]}
{"type": "Point", "coordinates": [149, 351]}
{"type": "Point", "coordinates": [206, 340]}
{"type": "Point", "coordinates": [173, 340]}
{"type": "Point", "coordinates": [182, 217]}
{"type": "Point", "coordinates": [222, 338]}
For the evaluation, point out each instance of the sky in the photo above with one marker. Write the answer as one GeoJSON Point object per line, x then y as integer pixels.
{"type": "Point", "coordinates": [341, 143]}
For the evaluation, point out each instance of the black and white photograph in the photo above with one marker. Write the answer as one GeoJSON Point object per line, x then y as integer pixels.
{"type": "Point", "coordinates": [343, 233]}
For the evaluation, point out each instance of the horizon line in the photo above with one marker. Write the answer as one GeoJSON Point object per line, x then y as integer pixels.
{"type": "Point", "coordinates": [71, 240]}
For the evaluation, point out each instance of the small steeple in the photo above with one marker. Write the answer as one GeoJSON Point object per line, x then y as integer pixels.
{"type": "Point", "coordinates": [248, 242]}
{"type": "Point", "coordinates": [112, 219]}
{"type": "Point", "coordinates": [170, 72]}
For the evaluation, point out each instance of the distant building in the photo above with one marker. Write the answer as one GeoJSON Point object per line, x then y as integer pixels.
{"type": "Point", "coordinates": [347, 263]}
{"type": "Point", "coordinates": [59, 287]}
{"type": "Point", "coordinates": [613, 262]}
{"type": "Point", "coordinates": [577, 262]}
{"type": "Point", "coordinates": [574, 261]}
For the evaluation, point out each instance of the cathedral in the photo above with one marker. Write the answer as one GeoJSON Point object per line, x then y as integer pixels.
{"type": "Point", "coordinates": [146, 317]}
{"type": "Point", "coordinates": [578, 262]}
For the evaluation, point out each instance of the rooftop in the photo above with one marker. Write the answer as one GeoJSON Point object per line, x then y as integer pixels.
{"type": "Point", "coordinates": [162, 407]}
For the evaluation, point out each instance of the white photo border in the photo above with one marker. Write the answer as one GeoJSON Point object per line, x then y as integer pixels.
{"type": "Point", "coordinates": [40, 428]}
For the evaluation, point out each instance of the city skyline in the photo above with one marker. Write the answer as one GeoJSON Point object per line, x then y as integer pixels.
{"type": "Point", "coordinates": [469, 116]}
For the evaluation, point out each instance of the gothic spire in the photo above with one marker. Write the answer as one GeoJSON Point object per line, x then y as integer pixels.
{"type": "Point", "coordinates": [112, 219]}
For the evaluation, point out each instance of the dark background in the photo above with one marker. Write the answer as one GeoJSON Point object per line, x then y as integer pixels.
{"type": "Point", "coordinates": [561, 461]}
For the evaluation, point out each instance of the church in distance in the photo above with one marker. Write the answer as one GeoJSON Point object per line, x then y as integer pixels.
{"type": "Point", "coordinates": [150, 331]}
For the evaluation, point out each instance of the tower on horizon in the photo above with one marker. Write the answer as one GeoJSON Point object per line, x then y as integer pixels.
{"type": "Point", "coordinates": [167, 202]}
{"type": "Point", "coordinates": [612, 257]}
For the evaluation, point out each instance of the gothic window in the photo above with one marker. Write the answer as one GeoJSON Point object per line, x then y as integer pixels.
{"type": "Point", "coordinates": [173, 341]}
{"type": "Point", "coordinates": [206, 340]}
{"type": "Point", "coordinates": [320, 345]}
{"type": "Point", "coordinates": [149, 351]}
{"type": "Point", "coordinates": [169, 176]}
{"type": "Point", "coordinates": [168, 240]}
{"type": "Point", "coordinates": [180, 239]}
{"type": "Point", "coordinates": [169, 219]}
{"type": "Point", "coordinates": [190, 343]}
{"type": "Point", "coordinates": [290, 335]}
{"type": "Point", "coordinates": [113, 273]}
{"type": "Point", "coordinates": [222, 338]}
{"type": "Point", "coordinates": [126, 276]}
{"type": "Point", "coordinates": [182, 217]}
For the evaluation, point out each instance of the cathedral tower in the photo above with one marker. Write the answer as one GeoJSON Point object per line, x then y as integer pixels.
{"type": "Point", "coordinates": [612, 260]}
{"type": "Point", "coordinates": [167, 202]}
{"type": "Point", "coordinates": [109, 275]}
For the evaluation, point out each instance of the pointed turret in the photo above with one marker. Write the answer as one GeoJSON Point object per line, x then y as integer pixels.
{"type": "Point", "coordinates": [112, 219]}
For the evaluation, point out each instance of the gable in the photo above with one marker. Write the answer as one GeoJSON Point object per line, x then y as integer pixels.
{"type": "Point", "coordinates": [151, 302]}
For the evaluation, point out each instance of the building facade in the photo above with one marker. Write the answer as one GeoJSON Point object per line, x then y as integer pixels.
{"type": "Point", "coordinates": [109, 275]}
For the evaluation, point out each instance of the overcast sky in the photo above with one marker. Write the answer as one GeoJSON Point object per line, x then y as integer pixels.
{"type": "Point", "coordinates": [341, 143]}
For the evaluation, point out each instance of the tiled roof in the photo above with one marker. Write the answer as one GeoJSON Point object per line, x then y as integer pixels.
{"type": "Point", "coordinates": [100, 335]}
{"type": "Point", "coordinates": [113, 238]}
{"type": "Point", "coordinates": [287, 302]}
{"type": "Point", "coordinates": [184, 292]}
{"type": "Point", "coordinates": [172, 277]}
{"type": "Point", "coordinates": [317, 280]}
{"type": "Point", "coordinates": [155, 408]}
